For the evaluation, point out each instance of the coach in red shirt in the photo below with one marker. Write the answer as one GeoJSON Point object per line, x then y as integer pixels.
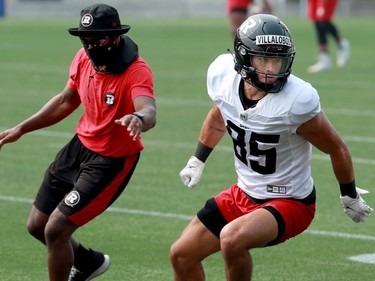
{"type": "Point", "coordinates": [115, 87]}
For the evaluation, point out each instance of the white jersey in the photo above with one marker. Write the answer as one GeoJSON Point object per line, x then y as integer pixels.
{"type": "Point", "coordinates": [271, 159]}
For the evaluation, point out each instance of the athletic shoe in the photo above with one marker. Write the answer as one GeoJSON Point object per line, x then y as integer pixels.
{"type": "Point", "coordinates": [343, 54]}
{"type": "Point", "coordinates": [323, 64]}
{"type": "Point", "coordinates": [98, 265]}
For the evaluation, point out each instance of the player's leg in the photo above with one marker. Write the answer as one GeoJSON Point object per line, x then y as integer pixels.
{"type": "Point", "coordinates": [50, 194]}
{"type": "Point", "coordinates": [324, 16]}
{"type": "Point", "coordinates": [83, 189]}
{"type": "Point", "coordinates": [343, 45]}
{"type": "Point", "coordinates": [36, 224]}
{"type": "Point", "coordinates": [324, 61]}
{"type": "Point", "coordinates": [319, 14]}
{"type": "Point", "coordinates": [49, 229]}
{"type": "Point", "coordinates": [53, 189]}
{"type": "Point", "coordinates": [61, 254]}
{"type": "Point", "coordinates": [252, 230]}
{"type": "Point", "coordinates": [266, 224]}
{"type": "Point", "coordinates": [58, 231]}
{"type": "Point", "coordinates": [324, 12]}
{"type": "Point", "coordinates": [101, 181]}
{"type": "Point", "coordinates": [187, 252]}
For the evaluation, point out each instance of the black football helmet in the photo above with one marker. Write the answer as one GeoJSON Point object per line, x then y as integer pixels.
{"type": "Point", "coordinates": [263, 35]}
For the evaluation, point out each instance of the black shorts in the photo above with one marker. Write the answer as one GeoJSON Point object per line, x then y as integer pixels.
{"type": "Point", "coordinates": [82, 184]}
{"type": "Point", "coordinates": [211, 216]}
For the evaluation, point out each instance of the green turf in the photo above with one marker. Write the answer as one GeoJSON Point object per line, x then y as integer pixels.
{"type": "Point", "coordinates": [35, 57]}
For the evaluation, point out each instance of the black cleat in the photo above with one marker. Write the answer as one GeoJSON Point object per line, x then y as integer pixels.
{"type": "Point", "coordinates": [98, 265]}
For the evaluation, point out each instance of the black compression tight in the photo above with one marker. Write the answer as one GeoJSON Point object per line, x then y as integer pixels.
{"type": "Point", "coordinates": [323, 28]}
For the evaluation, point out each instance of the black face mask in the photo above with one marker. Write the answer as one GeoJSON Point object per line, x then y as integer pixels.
{"type": "Point", "coordinates": [102, 55]}
{"type": "Point", "coordinates": [115, 58]}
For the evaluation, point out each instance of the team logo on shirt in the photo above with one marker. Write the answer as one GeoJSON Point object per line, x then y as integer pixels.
{"type": "Point", "coordinates": [109, 99]}
{"type": "Point", "coordinates": [243, 116]}
{"type": "Point", "coordinates": [72, 198]}
{"type": "Point", "coordinates": [276, 189]}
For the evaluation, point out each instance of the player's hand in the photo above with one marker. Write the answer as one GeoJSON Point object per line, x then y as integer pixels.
{"type": "Point", "coordinates": [133, 123]}
{"type": "Point", "coordinates": [192, 173]}
{"type": "Point", "coordinates": [356, 208]}
{"type": "Point", "coordinates": [10, 135]}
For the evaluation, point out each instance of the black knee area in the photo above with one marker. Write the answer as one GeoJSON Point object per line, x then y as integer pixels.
{"type": "Point", "coordinates": [212, 218]}
{"type": "Point", "coordinates": [280, 222]}
{"type": "Point", "coordinates": [323, 28]}
{"type": "Point", "coordinates": [321, 32]}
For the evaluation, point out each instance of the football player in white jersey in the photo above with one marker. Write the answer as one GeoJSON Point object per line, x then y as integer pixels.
{"type": "Point", "coordinates": [273, 118]}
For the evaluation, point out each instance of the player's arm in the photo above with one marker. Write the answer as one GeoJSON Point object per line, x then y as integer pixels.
{"type": "Point", "coordinates": [56, 109]}
{"type": "Point", "coordinates": [320, 133]}
{"type": "Point", "coordinates": [143, 119]}
{"type": "Point", "coordinates": [147, 107]}
{"type": "Point", "coordinates": [142, 92]}
{"type": "Point", "coordinates": [212, 131]}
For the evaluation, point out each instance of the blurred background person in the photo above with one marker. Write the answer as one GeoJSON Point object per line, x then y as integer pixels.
{"type": "Point", "coordinates": [238, 11]}
{"type": "Point", "coordinates": [321, 12]}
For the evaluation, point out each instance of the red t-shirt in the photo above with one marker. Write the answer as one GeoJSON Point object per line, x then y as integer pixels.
{"type": "Point", "coordinates": [238, 4]}
{"type": "Point", "coordinates": [105, 98]}
{"type": "Point", "coordinates": [321, 10]}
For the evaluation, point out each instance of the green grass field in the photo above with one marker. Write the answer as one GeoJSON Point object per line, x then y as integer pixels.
{"type": "Point", "coordinates": [140, 227]}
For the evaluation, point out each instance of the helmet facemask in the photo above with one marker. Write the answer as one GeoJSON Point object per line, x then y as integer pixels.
{"type": "Point", "coordinates": [265, 37]}
{"type": "Point", "coordinates": [251, 75]}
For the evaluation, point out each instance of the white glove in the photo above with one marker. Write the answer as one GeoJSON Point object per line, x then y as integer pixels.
{"type": "Point", "coordinates": [192, 173]}
{"type": "Point", "coordinates": [356, 208]}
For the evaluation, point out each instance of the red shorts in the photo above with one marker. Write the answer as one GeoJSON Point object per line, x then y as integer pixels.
{"type": "Point", "coordinates": [321, 10]}
{"type": "Point", "coordinates": [297, 216]}
{"type": "Point", "coordinates": [238, 5]}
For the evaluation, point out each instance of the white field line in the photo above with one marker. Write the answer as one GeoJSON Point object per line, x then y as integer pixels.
{"type": "Point", "coordinates": [189, 217]}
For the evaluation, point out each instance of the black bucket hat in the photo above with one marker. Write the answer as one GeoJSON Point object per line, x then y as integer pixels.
{"type": "Point", "coordinates": [97, 20]}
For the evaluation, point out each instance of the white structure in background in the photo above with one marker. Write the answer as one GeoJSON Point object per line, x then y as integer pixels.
{"type": "Point", "coordinates": [169, 8]}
